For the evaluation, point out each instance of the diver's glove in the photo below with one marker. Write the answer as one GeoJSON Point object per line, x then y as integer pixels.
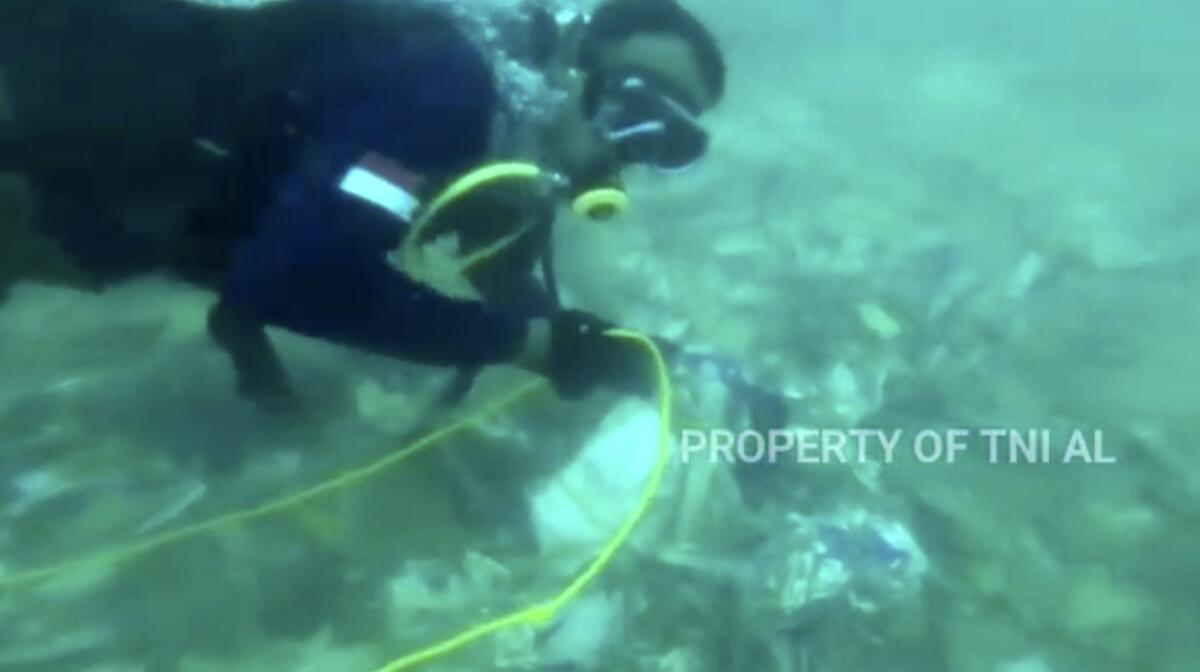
{"type": "Point", "coordinates": [584, 357]}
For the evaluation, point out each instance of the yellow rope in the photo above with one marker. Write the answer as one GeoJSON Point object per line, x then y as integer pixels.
{"type": "Point", "coordinates": [544, 612]}
{"type": "Point", "coordinates": [479, 256]}
{"type": "Point", "coordinates": [534, 615]}
{"type": "Point", "coordinates": [457, 189]}
{"type": "Point", "coordinates": [136, 549]}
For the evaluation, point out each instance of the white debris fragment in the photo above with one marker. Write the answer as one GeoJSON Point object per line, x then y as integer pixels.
{"type": "Point", "coordinates": [189, 493]}
{"type": "Point", "coordinates": [879, 321]}
{"type": "Point", "coordinates": [870, 561]}
{"type": "Point", "coordinates": [35, 487]}
{"type": "Point", "coordinates": [1027, 273]}
{"type": "Point", "coordinates": [580, 508]}
{"type": "Point", "coordinates": [583, 630]}
{"type": "Point", "coordinates": [853, 394]}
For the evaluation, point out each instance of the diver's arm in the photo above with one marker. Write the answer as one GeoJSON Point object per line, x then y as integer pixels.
{"type": "Point", "coordinates": [316, 266]}
{"type": "Point", "coordinates": [309, 269]}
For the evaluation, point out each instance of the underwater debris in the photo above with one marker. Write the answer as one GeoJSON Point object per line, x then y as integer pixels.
{"type": "Point", "coordinates": [583, 631]}
{"type": "Point", "coordinates": [577, 510]}
{"type": "Point", "coordinates": [183, 496]}
{"type": "Point", "coordinates": [879, 321]}
{"type": "Point", "coordinates": [869, 561]}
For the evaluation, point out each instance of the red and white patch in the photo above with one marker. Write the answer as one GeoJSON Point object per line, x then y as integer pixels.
{"type": "Point", "coordinates": [382, 182]}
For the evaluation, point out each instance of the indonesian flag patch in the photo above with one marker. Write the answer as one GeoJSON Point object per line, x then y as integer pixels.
{"type": "Point", "coordinates": [382, 182]}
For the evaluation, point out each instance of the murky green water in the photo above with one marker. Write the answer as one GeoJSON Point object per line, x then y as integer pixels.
{"type": "Point", "coordinates": [948, 223]}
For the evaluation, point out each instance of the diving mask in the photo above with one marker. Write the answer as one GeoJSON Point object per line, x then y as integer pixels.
{"type": "Point", "coordinates": [648, 125]}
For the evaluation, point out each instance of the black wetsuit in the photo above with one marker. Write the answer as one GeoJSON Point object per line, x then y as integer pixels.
{"type": "Point", "coordinates": [267, 149]}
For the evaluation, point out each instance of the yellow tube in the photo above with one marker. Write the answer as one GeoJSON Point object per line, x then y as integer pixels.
{"type": "Point", "coordinates": [538, 614]}
{"type": "Point", "coordinates": [123, 553]}
{"type": "Point", "coordinates": [543, 613]}
{"type": "Point", "coordinates": [595, 204]}
{"type": "Point", "coordinates": [600, 204]}
{"type": "Point", "coordinates": [457, 189]}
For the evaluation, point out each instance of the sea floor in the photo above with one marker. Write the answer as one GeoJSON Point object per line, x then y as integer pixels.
{"type": "Point", "coordinates": [972, 223]}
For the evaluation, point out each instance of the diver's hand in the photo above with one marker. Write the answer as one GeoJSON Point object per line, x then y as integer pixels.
{"type": "Point", "coordinates": [583, 357]}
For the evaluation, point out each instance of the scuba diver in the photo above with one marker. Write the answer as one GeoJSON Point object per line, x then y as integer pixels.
{"type": "Point", "coordinates": [308, 160]}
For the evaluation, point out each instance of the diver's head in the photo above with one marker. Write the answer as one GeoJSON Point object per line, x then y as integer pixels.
{"type": "Point", "coordinates": [650, 70]}
{"type": "Point", "coordinates": [637, 75]}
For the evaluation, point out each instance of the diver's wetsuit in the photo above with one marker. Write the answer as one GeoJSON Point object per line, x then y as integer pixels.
{"type": "Point", "coordinates": [275, 235]}
{"type": "Point", "coordinates": [253, 121]}
{"type": "Point", "coordinates": [316, 262]}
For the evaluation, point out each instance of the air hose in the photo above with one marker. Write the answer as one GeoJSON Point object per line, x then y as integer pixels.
{"type": "Point", "coordinates": [543, 613]}
{"type": "Point", "coordinates": [539, 614]}
{"type": "Point", "coordinates": [596, 204]}
{"type": "Point", "coordinates": [464, 185]}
